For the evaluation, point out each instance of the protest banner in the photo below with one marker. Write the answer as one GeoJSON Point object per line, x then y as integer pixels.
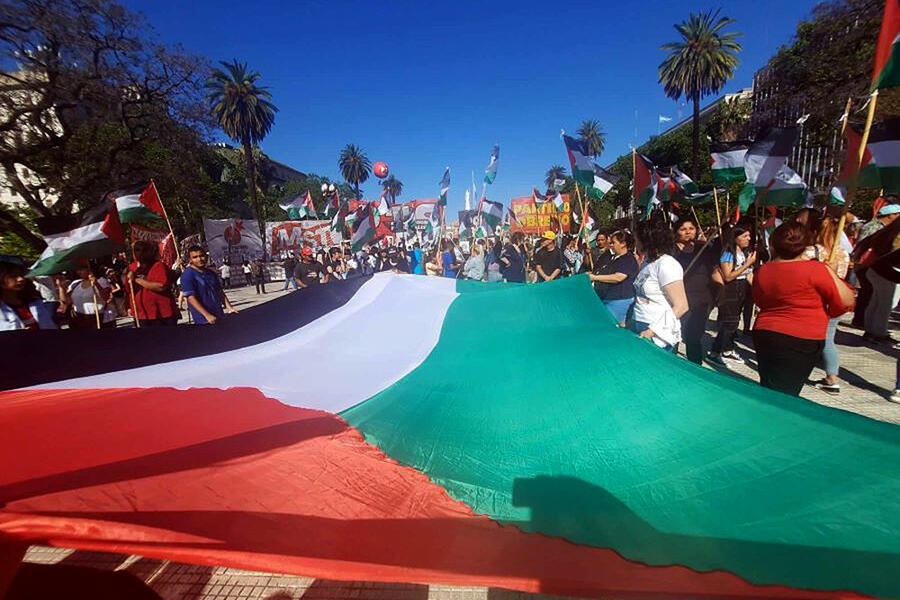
{"type": "Point", "coordinates": [284, 237]}
{"type": "Point", "coordinates": [161, 237]}
{"type": "Point", "coordinates": [232, 240]}
{"type": "Point", "coordinates": [533, 221]}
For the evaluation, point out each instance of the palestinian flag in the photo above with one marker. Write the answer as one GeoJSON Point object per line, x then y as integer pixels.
{"type": "Point", "coordinates": [491, 213]}
{"type": "Point", "coordinates": [558, 202]}
{"type": "Point", "coordinates": [884, 146]}
{"type": "Point", "coordinates": [866, 170]}
{"type": "Point", "coordinates": [365, 228]}
{"type": "Point", "coordinates": [727, 161]}
{"type": "Point", "coordinates": [381, 207]}
{"type": "Point", "coordinates": [490, 173]}
{"type": "Point", "coordinates": [445, 188]}
{"type": "Point", "coordinates": [645, 182]}
{"type": "Point", "coordinates": [333, 205]}
{"type": "Point", "coordinates": [602, 182]}
{"type": "Point", "coordinates": [92, 233]}
{"type": "Point", "coordinates": [300, 207]}
{"type": "Point", "coordinates": [138, 204]}
{"type": "Point", "coordinates": [765, 158]}
{"type": "Point", "coordinates": [388, 463]}
{"type": "Point", "coordinates": [580, 161]}
{"type": "Point", "coordinates": [886, 73]}
{"type": "Point", "coordinates": [787, 189]}
{"type": "Point", "coordinates": [339, 220]}
{"type": "Point", "coordinates": [838, 195]}
{"type": "Point", "coordinates": [697, 199]}
{"type": "Point", "coordinates": [685, 184]}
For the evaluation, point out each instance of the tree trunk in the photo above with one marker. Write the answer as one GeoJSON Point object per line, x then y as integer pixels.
{"type": "Point", "coordinates": [695, 142]}
{"type": "Point", "coordinates": [356, 185]}
{"type": "Point", "coordinates": [251, 188]}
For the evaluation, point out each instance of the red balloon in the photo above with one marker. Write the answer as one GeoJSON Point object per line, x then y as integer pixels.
{"type": "Point", "coordinates": [380, 169]}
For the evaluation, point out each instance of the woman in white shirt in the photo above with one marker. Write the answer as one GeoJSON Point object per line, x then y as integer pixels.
{"type": "Point", "coordinates": [659, 301]}
{"type": "Point", "coordinates": [89, 298]}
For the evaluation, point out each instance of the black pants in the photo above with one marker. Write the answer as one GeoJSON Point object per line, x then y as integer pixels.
{"type": "Point", "coordinates": [785, 362]}
{"type": "Point", "coordinates": [730, 307]}
{"type": "Point", "coordinates": [862, 299]}
{"type": "Point", "coordinates": [260, 282]}
{"type": "Point", "coordinates": [693, 326]}
{"type": "Point", "coordinates": [747, 311]}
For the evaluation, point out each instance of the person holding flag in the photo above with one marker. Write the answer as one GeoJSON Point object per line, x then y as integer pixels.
{"type": "Point", "coordinates": [150, 285]}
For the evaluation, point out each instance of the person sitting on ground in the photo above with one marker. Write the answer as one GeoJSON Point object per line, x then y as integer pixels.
{"type": "Point", "coordinates": [659, 298]}
{"type": "Point", "coordinates": [207, 302]}
{"type": "Point", "coordinates": [90, 298]}
{"type": "Point", "coordinates": [308, 271]}
{"type": "Point", "coordinates": [512, 259]}
{"type": "Point", "coordinates": [614, 281]}
{"type": "Point", "coordinates": [21, 307]}
{"type": "Point", "coordinates": [151, 282]}
{"type": "Point", "coordinates": [734, 268]}
{"type": "Point", "coordinates": [548, 258]}
{"type": "Point", "coordinates": [474, 267]}
{"type": "Point", "coordinates": [796, 298]}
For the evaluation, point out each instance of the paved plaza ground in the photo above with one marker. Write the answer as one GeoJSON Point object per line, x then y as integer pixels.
{"type": "Point", "coordinates": [867, 379]}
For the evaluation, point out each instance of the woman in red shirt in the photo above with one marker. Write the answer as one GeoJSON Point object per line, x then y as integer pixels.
{"type": "Point", "coordinates": [796, 297]}
{"type": "Point", "coordinates": [152, 283]}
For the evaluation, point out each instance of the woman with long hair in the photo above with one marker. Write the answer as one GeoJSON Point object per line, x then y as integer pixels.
{"type": "Point", "coordinates": [659, 298]}
{"type": "Point", "coordinates": [21, 307]}
{"type": "Point", "coordinates": [698, 261]}
{"type": "Point", "coordinates": [614, 282]}
{"type": "Point", "coordinates": [734, 267]}
{"type": "Point", "coordinates": [796, 297]}
{"type": "Point", "coordinates": [826, 239]}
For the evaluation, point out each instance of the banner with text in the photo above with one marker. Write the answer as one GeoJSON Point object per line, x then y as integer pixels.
{"type": "Point", "coordinates": [533, 221]}
{"type": "Point", "coordinates": [284, 237]}
{"type": "Point", "coordinates": [161, 237]}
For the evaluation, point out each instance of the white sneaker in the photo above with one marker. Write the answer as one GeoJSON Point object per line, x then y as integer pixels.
{"type": "Point", "coordinates": [716, 359]}
{"type": "Point", "coordinates": [895, 397]}
{"type": "Point", "coordinates": [733, 356]}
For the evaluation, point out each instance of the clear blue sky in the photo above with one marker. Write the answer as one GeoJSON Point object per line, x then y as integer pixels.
{"type": "Point", "coordinates": [424, 85]}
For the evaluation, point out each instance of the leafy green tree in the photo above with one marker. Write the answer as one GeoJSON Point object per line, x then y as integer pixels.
{"type": "Point", "coordinates": [553, 173]}
{"type": "Point", "coordinates": [591, 131]}
{"type": "Point", "coordinates": [355, 166]}
{"type": "Point", "coordinates": [393, 187]}
{"type": "Point", "coordinates": [698, 65]}
{"type": "Point", "coordinates": [731, 119]}
{"type": "Point", "coordinates": [245, 113]}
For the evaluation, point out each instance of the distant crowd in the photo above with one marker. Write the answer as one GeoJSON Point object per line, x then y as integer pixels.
{"type": "Point", "coordinates": [788, 282]}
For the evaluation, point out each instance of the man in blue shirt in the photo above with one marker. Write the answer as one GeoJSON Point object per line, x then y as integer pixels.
{"type": "Point", "coordinates": [202, 289]}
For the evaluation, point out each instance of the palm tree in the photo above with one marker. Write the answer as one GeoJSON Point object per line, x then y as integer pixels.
{"type": "Point", "coordinates": [355, 166]}
{"type": "Point", "coordinates": [699, 64]}
{"type": "Point", "coordinates": [555, 172]}
{"type": "Point", "coordinates": [591, 131]}
{"type": "Point", "coordinates": [393, 187]}
{"type": "Point", "coordinates": [245, 113]}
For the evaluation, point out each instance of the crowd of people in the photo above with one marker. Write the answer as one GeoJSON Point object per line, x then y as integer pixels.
{"type": "Point", "coordinates": [789, 284]}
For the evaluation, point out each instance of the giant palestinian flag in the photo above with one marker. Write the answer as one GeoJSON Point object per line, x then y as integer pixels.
{"type": "Point", "coordinates": [347, 432]}
{"type": "Point", "coordinates": [92, 233]}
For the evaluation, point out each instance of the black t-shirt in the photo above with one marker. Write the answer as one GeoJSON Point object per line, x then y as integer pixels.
{"type": "Point", "coordinates": [697, 281]}
{"type": "Point", "coordinates": [601, 259]}
{"type": "Point", "coordinates": [548, 261]}
{"type": "Point", "coordinates": [515, 271]}
{"type": "Point", "coordinates": [628, 266]}
{"type": "Point", "coordinates": [308, 272]}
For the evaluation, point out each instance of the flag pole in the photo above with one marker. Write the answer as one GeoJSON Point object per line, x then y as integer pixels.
{"type": "Point", "coordinates": [633, 189]}
{"type": "Point", "coordinates": [696, 218]}
{"type": "Point", "coordinates": [169, 223]}
{"type": "Point", "coordinates": [96, 311]}
{"type": "Point", "coordinates": [854, 182]}
{"type": "Point", "coordinates": [718, 216]}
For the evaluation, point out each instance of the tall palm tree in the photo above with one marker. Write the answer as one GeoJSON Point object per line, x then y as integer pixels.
{"type": "Point", "coordinates": [591, 131]}
{"type": "Point", "coordinates": [393, 187]}
{"type": "Point", "coordinates": [553, 173]}
{"type": "Point", "coordinates": [699, 64]}
{"type": "Point", "coordinates": [245, 113]}
{"type": "Point", "coordinates": [355, 166]}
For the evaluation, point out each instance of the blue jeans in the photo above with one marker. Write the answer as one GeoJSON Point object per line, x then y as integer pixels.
{"type": "Point", "coordinates": [619, 308]}
{"type": "Point", "coordinates": [829, 352]}
{"type": "Point", "coordinates": [289, 281]}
